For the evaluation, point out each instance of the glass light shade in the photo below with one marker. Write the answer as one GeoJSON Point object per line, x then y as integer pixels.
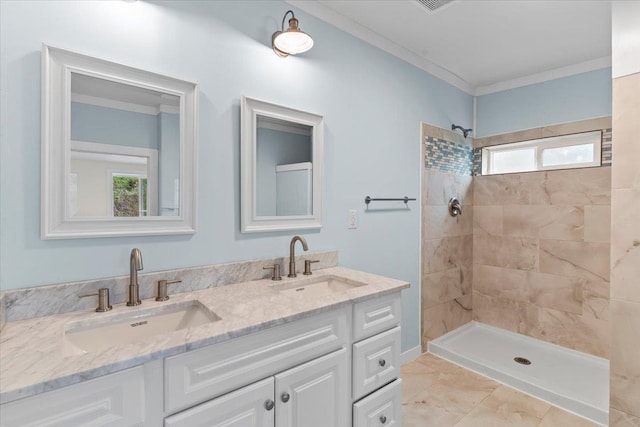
{"type": "Point", "coordinates": [293, 41]}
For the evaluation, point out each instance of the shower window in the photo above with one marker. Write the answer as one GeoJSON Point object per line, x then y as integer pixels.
{"type": "Point", "coordinates": [562, 152]}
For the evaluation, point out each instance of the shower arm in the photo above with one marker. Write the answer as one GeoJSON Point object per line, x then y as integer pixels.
{"type": "Point", "coordinates": [465, 132]}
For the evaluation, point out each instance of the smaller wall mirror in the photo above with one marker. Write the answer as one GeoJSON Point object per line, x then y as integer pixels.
{"type": "Point", "coordinates": [282, 161]}
{"type": "Point", "coordinates": [118, 149]}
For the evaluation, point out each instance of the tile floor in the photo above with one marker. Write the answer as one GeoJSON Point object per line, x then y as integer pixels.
{"type": "Point", "coordinates": [441, 394]}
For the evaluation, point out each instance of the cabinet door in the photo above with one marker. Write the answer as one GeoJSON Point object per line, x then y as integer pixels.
{"type": "Point", "coordinates": [250, 406]}
{"type": "Point", "coordinates": [315, 394]}
{"type": "Point", "coordinates": [115, 400]}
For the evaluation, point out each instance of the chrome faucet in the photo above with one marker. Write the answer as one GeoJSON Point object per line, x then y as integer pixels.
{"type": "Point", "coordinates": [135, 264]}
{"type": "Point", "coordinates": [292, 254]}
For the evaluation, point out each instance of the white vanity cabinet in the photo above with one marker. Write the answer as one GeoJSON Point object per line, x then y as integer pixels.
{"type": "Point", "coordinates": [314, 394]}
{"type": "Point", "coordinates": [376, 388]}
{"type": "Point", "coordinates": [311, 395]}
{"type": "Point", "coordinates": [382, 408]}
{"type": "Point", "coordinates": [113, 400]}
{"type": "Point", "coordinates": [250, 406]}
{"type": "Point", "coordinates": [337, 368]}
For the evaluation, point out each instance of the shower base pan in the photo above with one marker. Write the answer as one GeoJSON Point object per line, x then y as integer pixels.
{"type": "Point", "coordinates": [575, 381]}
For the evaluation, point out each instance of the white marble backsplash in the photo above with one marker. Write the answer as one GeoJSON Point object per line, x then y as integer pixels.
{"type": "Point", "coordinates": [27, 303]}
{"type": "Point", "coordinates": [3, 311]}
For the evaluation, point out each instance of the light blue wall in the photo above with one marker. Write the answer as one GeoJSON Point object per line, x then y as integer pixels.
{"type": "Point", "coordinates": [568, 99]}
{"type": "Point", "coordinates": [372, 104]}
{"type": "Point", "coordinates": [92, 123]}
{"type": "Point", "coordinates": [276, 148]}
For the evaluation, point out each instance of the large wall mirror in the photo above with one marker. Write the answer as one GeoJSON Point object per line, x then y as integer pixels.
{"type": "Point", "coordinates": [282, 155]}
{"type": "Point", "coordinates": [118, 149]}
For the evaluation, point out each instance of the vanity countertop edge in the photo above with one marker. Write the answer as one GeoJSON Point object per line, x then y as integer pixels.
{"type": "Point", "coordinates": [31, 351]}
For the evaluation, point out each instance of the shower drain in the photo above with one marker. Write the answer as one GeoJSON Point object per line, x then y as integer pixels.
{"type": "Point", "coordinates": [522, 360]}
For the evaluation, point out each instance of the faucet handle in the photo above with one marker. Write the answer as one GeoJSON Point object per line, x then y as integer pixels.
{"type": "Point", "coordinates": [162, 289]}
{"type": "Point", "coordinates": [307, 266]}
{"type": "Point", "coordinates": [276, 271]}
{"type": "Point", "coordinates": [103, 298]}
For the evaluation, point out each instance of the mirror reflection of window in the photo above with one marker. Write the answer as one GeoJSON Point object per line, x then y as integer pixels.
{"type": "Point", "coordinates": [91, 181]}
{"type": "Point", "coordinates": [283, 168]}
{"type": "Point", "coordinates": [129, 195]}
{"type": "Point", "coordinates": [131, 135]}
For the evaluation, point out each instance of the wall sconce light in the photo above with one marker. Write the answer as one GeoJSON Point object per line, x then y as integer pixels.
{"type": "Point", "coordinates": [292, 40]}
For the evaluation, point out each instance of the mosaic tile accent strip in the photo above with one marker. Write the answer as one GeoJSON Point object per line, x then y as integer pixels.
{"type": "Point", "coordinates": [447, 156]}
{"type": "Point", "coordinates": [605, 153]}
{"type": "Point", "coordinates": [476, 168]}
{"type": "Point", "coordinates": [606, 147]}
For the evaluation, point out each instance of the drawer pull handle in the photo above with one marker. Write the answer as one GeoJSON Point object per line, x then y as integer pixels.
{"type": "Point", "coordinates": [269, 404]}
{"type": "Point", "coordinates": [285, 397]}
{"type": "Point", "coordinates": [383, 419]}
{"type": "Point", "coordinates": [382, 362]}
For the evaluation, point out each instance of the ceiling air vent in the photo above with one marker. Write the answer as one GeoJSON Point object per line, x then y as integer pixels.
{"type": "Point", "coordinates": [433, 5]}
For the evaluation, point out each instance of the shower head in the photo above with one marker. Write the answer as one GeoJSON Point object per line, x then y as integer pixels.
{"type": "Point", "coordinates": [465, 132]}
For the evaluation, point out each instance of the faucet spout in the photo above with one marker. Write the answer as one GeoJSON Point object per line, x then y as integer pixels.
{"type": "Point", "coordinates": [135, 265]}
{"type": "Point", "coordinates": [292, 254]}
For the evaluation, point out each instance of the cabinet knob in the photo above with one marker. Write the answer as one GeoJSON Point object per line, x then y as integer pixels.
{"type": "Point", "coordinates": [383, 419]}
{"type": "Point", "coordinates": [285, 397]}
{"type": "Point", "coordinates": [269, 404]}
{"type": "Point", "coordinates": [382, 362]}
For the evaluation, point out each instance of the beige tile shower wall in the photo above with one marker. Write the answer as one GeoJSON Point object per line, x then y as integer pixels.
{"type": "Point", "coordinates": [625, 254]}
{"type": "Point", "coordinates": [541, 255]}
{"type": "Point", "coordinates": [446, 254]}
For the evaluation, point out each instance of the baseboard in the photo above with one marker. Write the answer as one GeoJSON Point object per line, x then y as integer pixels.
{"type": "Point", "coordinates": [410, 355]}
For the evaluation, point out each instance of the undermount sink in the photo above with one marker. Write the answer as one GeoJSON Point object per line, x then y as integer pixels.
{"type": "Point", "coordinates": [316, 286]}
{"type": "Point", "coordinates": [127, 328]}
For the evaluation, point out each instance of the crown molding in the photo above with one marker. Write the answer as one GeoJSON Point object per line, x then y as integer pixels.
{"type": "Point", "coordinates": [358, 30]}
{"type": "Point", "coordinates": [557, 73]}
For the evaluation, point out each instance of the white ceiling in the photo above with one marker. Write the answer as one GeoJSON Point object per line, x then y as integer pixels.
{"type": "Point", "coordinates": [481, 46]}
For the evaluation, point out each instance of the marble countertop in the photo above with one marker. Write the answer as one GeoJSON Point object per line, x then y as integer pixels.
{"type": "Point", "coordinates": [32, 352]}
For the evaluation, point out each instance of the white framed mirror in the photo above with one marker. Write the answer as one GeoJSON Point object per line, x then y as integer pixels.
{"type": "Point", "coordinates": [282, 164]}
{"type": "Point", "coordinates": [118, 149]}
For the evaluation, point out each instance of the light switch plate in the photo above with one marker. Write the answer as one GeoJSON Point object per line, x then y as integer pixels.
{"type": "Point", "coordinates": [352, 221]}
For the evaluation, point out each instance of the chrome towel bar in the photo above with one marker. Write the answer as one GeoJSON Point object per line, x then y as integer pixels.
{"type": "Point", "coordinates": [405, 199]}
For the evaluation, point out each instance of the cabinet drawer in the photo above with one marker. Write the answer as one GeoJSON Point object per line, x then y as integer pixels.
{"type": "Point", "coordinates": [380, 409]}
{"type": "Point", "coordinates": [113, 400]}
{"type": "Point", "coordinates": [200, 375]}
{"type": "Point", "coordinates": [374, 316]}
{"type": "Point", "coordinates": [376, 361]}
{"type": "Point", "coordinates": [246, 407]}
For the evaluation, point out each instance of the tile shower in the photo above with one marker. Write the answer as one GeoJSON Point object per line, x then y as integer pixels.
{"type": "Point", "coordinates": [447, 243]}
{"type": "Point", "coordinates": [530, 254]}
{"type": "Point", "coordinates": [531, 250]}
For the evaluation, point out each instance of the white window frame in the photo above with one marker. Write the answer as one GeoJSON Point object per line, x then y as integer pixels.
{"type": "Point", "coordinates": [150, 154]}
{"type": "Point", "coordinates": [112, 173]}
{"type": "Point", "coordinates": [542, 144]}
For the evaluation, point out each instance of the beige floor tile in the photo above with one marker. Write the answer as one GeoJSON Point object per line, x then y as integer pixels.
{"type": "Point", "coordinates": [558, 418]}
{"type": "Point", "coordinates": [456, 391]}
{"type": "Point", "coordinates": [422, 414]}
{"type": "Point", "coordinates": [434, 363]}
{"type": "Point", "coordinates": [486, 417]}
{"type": "Point", "coordinates": [416, 377]}
{"type": "Point", "coordinates": [621, 419]}
{"type": "Point", "coordinates": [505, 399]}
{"type": "Point", "coordinates": [439, 393]}
{"type": "Point", "coordinates": [508, 407]}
